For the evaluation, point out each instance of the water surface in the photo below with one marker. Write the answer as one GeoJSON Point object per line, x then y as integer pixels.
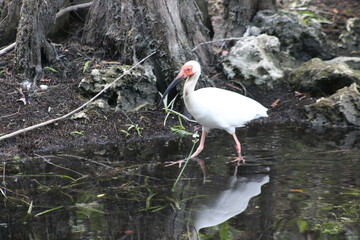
{"type": "Point", "coordinates": [297, 183]}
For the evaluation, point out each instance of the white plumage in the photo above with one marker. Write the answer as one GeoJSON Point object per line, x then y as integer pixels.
{"type": "Point", "coordinates": [215, 107]}
{"type": "Point", "coordinates": [223, 109]}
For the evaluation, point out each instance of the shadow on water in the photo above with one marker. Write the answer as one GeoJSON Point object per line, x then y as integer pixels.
{"type": "Point", "coordinates": [297, 183]}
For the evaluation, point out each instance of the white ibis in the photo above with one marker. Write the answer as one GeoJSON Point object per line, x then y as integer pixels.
{"type": "Point", "coordinates": [215, 108]}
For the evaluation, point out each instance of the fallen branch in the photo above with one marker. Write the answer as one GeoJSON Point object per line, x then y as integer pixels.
{"type": "Point", "coordinates": [58, 15]}
{"type": "Point", "coordinates": [8, 48]}
{"type": "Point", "coordinates": [215, 41]}
{"type": "Point", "coordinates": [72, 8]}
{"type": "Point", "coordinates": [76, 110]}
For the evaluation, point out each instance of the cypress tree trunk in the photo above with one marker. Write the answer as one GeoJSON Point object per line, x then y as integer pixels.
{"type": "Point", "coordinates": [33, 48]}
{"type": "Point", "coordinates": [9, 19]}
{"type": "Point", "coordinates": [132, 29]}
{"type": "Point", "coordinates": [237, 15]}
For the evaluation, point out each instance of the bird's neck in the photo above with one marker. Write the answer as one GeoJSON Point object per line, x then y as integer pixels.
{"type": "Point", "coordinates": [189, 86]}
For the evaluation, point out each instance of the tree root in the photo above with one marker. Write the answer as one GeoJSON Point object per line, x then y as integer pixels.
{"type": "Point", "coordinates": [57, 16]}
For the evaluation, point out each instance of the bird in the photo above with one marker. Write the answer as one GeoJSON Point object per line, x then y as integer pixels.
{"type": "Point", "coordinates": [215, 108]}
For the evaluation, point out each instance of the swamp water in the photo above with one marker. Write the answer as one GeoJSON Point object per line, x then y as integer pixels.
{"type": "Point", "coordinates": [297, 183]}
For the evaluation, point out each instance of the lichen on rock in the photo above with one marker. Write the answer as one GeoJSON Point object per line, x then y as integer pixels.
{"type": "Point", "coordinates": [257, 59]}
{"type": "Point", "coordinates": [322, 78]}
{"type": "Point", "coordinates": [135, 91]}
{"type": "Point", "coordinates": [350, 39]}
{"type": "Point", "coordinates": [339, 109]}
{"type": "Point", "coordinates": [301, 41]}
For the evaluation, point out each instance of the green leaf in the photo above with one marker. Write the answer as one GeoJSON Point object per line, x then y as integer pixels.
{"type": "Point", "coordinates": [86, 66]}
{"type": "Point", "coordinates": [180, 130]}
{"type": "Point", "coordinates": [148, 199]}
{"type": "Point", "coordinates": [126, 133]}
{"type": "Point", "coordinates": [302, 225]}
{"type": "Point", "coordinates": [77, 132]}
{"type": "Point", "coordinates": [45, 175]}
{"type": "Point", "coordinates": [47, 211]}
{"type": "Point", "coordinates": [50, 68]}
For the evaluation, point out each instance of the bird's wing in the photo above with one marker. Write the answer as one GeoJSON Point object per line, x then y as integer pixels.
{"type": "Point", "coordinates": [226, 108]}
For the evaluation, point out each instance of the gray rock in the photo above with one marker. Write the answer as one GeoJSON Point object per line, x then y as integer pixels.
{"type": "Point", "coordinates": [341, 108]}
{"type": "Point", "coordinates": [258, 60]}
{"type": "Point", "coordinates": [136, 90]}
{"type": "Point", "coordinates": [322, 78]}
{"type": "Point", "coordinates": [101, 103]}
{"type": "Point", "coordinates": [352, 62]}
{"type": "Point", "coordinates": [80, 115]}
{"type": "Point", "coordinates": [301, 41]}
{"type": "Point", "coordinates": [350, 40]}
{"type": "Point", "coordinates": [293, 3]}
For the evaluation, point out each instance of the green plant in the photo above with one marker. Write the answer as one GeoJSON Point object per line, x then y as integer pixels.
{"type": "Point", "coordinates": [169, 109]}
{"type": "Point", "coordinates": [180, 129]}
{"type": "Point", "coordinates": [132, 127]}
{"type": "Point", "coordinates": [51, 69]}
{"type": "Point", "coordinates": [77, 132]}
{"type": "Point", "coordinates": [195, 140]}
{"type": "Point", "coordinates": [339, 217]}
{"type": "Point", "coordinates": [307, 15]}
{"type": "Point", "coordinates": [86, 66]}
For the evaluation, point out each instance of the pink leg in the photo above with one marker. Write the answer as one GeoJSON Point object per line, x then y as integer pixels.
{"type": "Point", "coordinates": [238, 150]}
{"type": "Point", "coordinates": [201, 145]}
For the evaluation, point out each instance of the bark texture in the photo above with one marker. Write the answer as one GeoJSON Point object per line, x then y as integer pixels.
{"type": "Point", "coordinates": [9, 19]}
{"type": "Point", "coordinates": [33, 48]}
{"type": "Point", "coordinates": [132, 29]}
{"type": "Point", "coordinates": [236, 16]}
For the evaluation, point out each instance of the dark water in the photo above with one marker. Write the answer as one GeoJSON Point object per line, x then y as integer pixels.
{"type": "Point", "coordinates": [297, 183]}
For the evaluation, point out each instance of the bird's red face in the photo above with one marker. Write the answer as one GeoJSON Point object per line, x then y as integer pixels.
{"type": "Point", "coordinates": [186, 71]}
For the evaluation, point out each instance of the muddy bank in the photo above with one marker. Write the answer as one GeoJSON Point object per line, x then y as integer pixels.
{"type": "Point", "coordinates": [63, 96]}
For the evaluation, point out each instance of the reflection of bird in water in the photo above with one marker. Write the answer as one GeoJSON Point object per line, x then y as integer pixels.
{"type": "Point", "coordinates": [215, 107]}
{"type": "Point", "coordinates": [228, 203]}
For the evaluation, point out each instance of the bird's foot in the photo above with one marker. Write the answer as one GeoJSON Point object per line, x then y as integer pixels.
{"type": "Point", "coordinates": [171, 163]}
{"type": "Point", "coordinates": [238, 160]}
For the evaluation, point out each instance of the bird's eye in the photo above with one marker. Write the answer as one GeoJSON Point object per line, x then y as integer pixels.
{"type": "Point", "coordinates": [188, 69]}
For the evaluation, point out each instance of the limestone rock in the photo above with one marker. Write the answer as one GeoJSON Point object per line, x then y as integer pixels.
{"type": "Point", "coordinates": [136, 90]}
{"type": "Point", "coordinates": [293, 3]}
{"type": "Point", "coordinates": [352, 62]}
{"type": "Point", "coordinates": [350, 39]}
{"type": "Point", "coordinates": [258, 60]}
{"type": "Point", "coordinates": [301, 41]}
{"type": "Point", "coordinates": [322, 78]}
{"type": "Point", "coordinates": [341, 108]}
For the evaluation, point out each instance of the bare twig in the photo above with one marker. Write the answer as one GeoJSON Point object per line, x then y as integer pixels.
{"type": "Point", "coordinates": [12, 114]}
{"type": "Point", "coordinates": [58, 14]}
{"type": "Point", "coordinates": [76, 110]}
{"type": "Point", "coordinates": [214, 41]}
{"type": "Point", "coordinates": [72, 8]}
{"type": "Point", "coordinates": [3, 191]}
{"type": "Point", "coordinates": [8, 48]}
